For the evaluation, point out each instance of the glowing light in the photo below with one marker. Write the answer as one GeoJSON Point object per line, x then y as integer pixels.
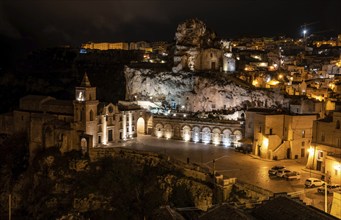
{"type": "Point", "coordinates": [196, 137]}
{"type": "Point", "coordinates": [331, 85]}
{"type": "Point", "coordinates": [184, 115]}
{"type": "Point", "coordinates": [273, 82]}
{"type": "Point", "coordinates": [311, 150]}
{"type": "Point", "coordinates": [80, 96]}
{"type": "Point", "coordinates": [187, 137]}
{"type": "Point", "coordinates": [174, 114]}
{"type": "Point", "coordinates": [265, 142]}
{"type": "Point", "coordinates": [280, 76]}
{"type": "Point", "coordinates": [255, 82]}
{"type": "Point", "coordinates": [216, 140]}
{"type": "Point", "coordinates": [337, 166]}
{"type": "Point", "coordinates": [168, 135]}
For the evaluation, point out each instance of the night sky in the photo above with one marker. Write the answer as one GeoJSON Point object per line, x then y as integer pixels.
{"type": "Point", "coordinates": [34, 24]}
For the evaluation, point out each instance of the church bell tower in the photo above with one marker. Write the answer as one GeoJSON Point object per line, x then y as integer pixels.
{"type": "Point", "coordinates": [85, 110]}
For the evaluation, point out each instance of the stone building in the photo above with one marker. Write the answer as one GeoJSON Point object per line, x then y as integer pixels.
{"type": "Point", "coordinates": [281, 136]}
{"type": "Point", "coordinates": [207, 131]}
{"type": "Point", "coordinates": [73, 125]}
{"type": "Point", "coordinates": [106, 46]}
{"type": "Point", "coordinates": [325, 149]}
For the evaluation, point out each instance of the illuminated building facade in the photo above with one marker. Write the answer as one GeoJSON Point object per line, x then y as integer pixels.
{"type": "Point", "coordinates": [281, 136]}
{"type": "Point", "coordinates": [197, 130]}
{"type": "Point", "coordinates": [73, 125]}
{"type": "Point", "coordinates": [106, 46]}
{"type": "Point", "coordinates": [325, 149]}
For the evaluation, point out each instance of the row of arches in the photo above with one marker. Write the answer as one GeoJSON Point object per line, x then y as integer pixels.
{"type": "Point", "coordinates": [197, 134]}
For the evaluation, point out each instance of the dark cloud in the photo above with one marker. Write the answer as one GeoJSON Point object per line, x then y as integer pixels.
{"type": "Point", "coordinates": [51, 22]}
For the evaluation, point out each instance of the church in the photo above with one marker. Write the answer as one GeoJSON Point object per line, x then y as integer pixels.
{"type": "Point", "coordinates": [77, 124]}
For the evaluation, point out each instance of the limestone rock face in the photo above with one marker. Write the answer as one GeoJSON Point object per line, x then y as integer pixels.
{"type": "Point", "coordinates": [205, 92]}
{"type": "Point", "coordinates": [160, 85]}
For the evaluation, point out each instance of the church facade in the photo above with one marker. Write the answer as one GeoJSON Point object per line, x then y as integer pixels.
{"type": "Point", "coordinates": [77, 124]}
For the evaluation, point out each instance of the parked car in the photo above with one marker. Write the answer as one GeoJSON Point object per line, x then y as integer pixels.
{"type": "Point", "coordinates": [282, 172]}
{"type": "Point", "coordinates": [273, 170]}
{"type": "Point", "coordinates": [243, 149]}
{"type": "Point", "coordinates": [330, 188]}
{"type": "Point", "coordinates": [312, 182]}
{"type": "Point", "coordinates": [292, 176]}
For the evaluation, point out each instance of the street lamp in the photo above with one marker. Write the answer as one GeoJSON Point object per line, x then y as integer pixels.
{"type": "Point", "coordinates": [311, 151]}
{"type": "Point", "coordinates": [304, 33]}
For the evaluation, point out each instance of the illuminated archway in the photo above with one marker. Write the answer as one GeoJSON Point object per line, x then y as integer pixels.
{"type": "Point", "coordinates": [196, 134]}
{"type": "Point", "coordinates": [168, 131]}
{"type": "Point", "coordinates": [140, 126]}
{"type": "Point", "coordinates": [237, 136]}
{"type": "Point", "coordinates": [206, 135]}
{"type": "Point", "coordinates": [216, 136]}
{"type": "Point", "coordinates": [158, 130]}
{"type": "Point", "coordinates": [226, 139]}
{"type": "Point", "coordinates": [186, 133]}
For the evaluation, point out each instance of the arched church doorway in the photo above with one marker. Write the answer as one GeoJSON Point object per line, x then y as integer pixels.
{"type": "Point", "coordinates": [141, 126]}
{"type": "Point", "coordinates": [84, 145]}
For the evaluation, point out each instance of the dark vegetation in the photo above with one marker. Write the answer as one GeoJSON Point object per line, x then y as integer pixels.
{"type": "Point", "coordinates": [111, 188]}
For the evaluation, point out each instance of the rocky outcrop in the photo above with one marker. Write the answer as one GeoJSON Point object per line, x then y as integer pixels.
{"type": "Point", "coordinates": [147, 83]}
{"type": "Point", "coordinates": [198, 92]}
{"type": "Point", "coordinates": [191, 37]}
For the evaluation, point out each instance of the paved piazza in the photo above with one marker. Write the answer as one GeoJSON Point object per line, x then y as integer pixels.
{"type": "Point", "coordinates": [230, 163]}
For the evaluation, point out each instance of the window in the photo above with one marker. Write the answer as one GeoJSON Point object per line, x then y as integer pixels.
{"type": "Point", "coordinates": [211, 55]}
{"type": "Point", "coordinates": [337, 124]}
{"type": "Point", "coordinates": [99, 139]}
{"type": "Point", "coordinates": [91, 115]}
{"type": "Point", "coordinates": [109, 135]}
{"type": "Point", "coordinates": [336, 173]}
{"type": "Point", "coordinates": [339, 142]}
{"type": "Point", "coordinates": [303, 143]}
{"type": "Point", "coordinates": [322, 136]}
{"type": "Point", "coordinates": [302, 152]}
{"type": "Point", "coordinates": [303, 133]}
{"type": "Point", "coordinates": [213, 106]}
{"type": "Point", "coordinates": [320, 155]}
